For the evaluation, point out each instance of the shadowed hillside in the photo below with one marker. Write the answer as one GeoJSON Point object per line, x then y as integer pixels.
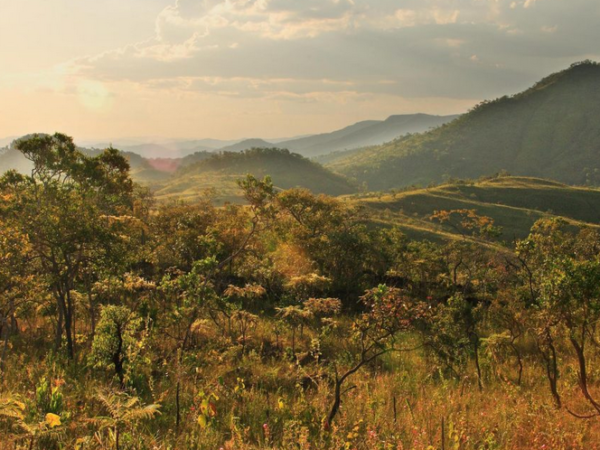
{"type": "Point", "coordinates": [548, 131]}
{"type": "Point", "coordinates": [515, 204]}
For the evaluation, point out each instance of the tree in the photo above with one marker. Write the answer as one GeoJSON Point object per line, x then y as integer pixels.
{"type": "Point", "coordinates": [332, 234]}
{"type": "Point", "coordinates": [116, 341]}
{"type": "Point", "coordinates": [73, 209]}
{"type": "Point", "coordinates": [389, 311]}
{"type": "Point", "coordinates": [17, 283]}
{"type": "Point", "coordinates": [564, 267]}
{"type": "Point", "coordinates": [296, 318]}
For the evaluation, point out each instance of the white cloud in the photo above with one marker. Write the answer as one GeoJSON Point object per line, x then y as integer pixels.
{"type": "Point", "coordinates": [412, 17]}
{"type": "Point", "coordinates": [549, 29]}
{"type": "Point", "coordinates": [294, 50]}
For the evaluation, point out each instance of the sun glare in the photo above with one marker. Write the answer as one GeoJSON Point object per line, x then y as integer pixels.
{"type": "Point", "coordinates": [94, 96]}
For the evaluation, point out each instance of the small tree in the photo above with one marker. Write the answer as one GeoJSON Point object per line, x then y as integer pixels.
{"type": "Point", "coordinates": [115, 340]}
{"type": "Point", "coordinates": [296, 318]}
{"type": "Point", "coordinates": [565, 267]}
{"type": "Point", "coordinates": [389, 312]}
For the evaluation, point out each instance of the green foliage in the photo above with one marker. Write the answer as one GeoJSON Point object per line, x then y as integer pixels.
{"type": "Point", "coordinates": [293, 321]}
{"type": "Point", "coordinates": [542, 132]}
{"type": "Point", "coordinates": [117, 342]}
{"type": "Point", "coordinates": [514, 204]}
{"type": "Point", "coordinates": [49, 398]}
{"type": "Point", "coordinates": [222, 172]}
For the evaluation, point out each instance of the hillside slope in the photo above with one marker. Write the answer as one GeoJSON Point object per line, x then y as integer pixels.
{"type": "Point", "coordinates": [551, 131]}
{"type": "Point", "coordinates": [221, 172]}
{"type": "Point", "coordinates": [366, 133]}
{"type": "Point", "coordinates": [515, 204]}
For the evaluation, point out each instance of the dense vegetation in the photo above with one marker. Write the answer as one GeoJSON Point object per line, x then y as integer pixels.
{"type": "Point", "coordinates": [547, 131]}
{"type": "Point", "coordinates": [221, 171]}
{"type": "Point", "coordinates": [195, 175]}
{"type": "Point", "coordinates": [284, 323]}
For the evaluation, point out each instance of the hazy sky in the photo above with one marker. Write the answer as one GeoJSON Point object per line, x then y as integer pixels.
{"type": "Point", "coordinates": [108, 69]}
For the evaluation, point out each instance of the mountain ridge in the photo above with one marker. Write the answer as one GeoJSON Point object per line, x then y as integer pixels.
{"type": "Point", "coordinates": [545, 131]}
{"type": "Point", "coordinates": [366, 133]}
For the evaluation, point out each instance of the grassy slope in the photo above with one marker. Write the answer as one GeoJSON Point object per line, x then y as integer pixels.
{"type": "Point", "coordinates": [548, 131]}
{"type": "Point", "coordinates": [222, 171]}
{"type": "Point", "coordinates": [515, 203]}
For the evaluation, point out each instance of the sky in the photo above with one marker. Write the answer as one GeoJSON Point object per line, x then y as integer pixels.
{"type": "Point", "coordinates": [231, 69]}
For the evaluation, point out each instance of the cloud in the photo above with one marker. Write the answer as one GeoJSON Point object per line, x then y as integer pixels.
{"type": "Point", "coordinates": [291, 49]}
{"type": "Point", "coordinates": [412, 17]}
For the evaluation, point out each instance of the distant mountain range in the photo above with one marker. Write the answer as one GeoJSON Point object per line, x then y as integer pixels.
{"type": "Point", "coordinates": [174, 149]}
{"type": "Point", "coordinates": [551, 130]}
{"type": "Point", "coordinates": [370, 132]}
{"type": "Point", "coordinates": [155, 163]}
{"type": "Point", "coordinates": [548, 131]}
{"type": "Point", "coordinates": [367, 133]}
{"type": "Point", "coordinates": [167, 149]}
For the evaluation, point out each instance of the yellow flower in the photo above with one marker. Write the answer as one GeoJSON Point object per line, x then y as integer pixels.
{"type": "Point", "coordinates": [52, 420]}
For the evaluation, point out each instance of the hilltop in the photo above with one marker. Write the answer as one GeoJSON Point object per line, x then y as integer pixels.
{"type": "Point", "coordinates": [221, 172]}
{"type": "Point", "coordinates": [548, 131]}
{"type": "Point", "coordinates": [515, 204]}
{"type": "Point", "coordinates": [246, 144]}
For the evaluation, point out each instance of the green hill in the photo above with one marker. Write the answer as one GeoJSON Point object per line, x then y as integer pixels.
{"type": "Point", "coordinates": [550, 131]}
{"type": "Point", "coordinates": [515, 204]}
{"type": "Point", "coordinates": [221, 172]}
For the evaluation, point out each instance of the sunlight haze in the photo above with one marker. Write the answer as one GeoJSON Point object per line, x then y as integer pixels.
{"type": "Point", "coordinates": [271, 68]}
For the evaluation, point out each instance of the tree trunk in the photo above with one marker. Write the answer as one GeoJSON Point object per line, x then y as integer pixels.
{"type": "Point", "coordinates": [177, 406]}
{"type": "Point", "coordinates": [92, 311]}
{"type": "Point", "coordinates": [69, 334]}
{"type": "Point", "coordinates": [519, 362]}
{"type": "Point", "coordinates": [552, 372]}
{"type": "Point", "coordinates": [475, 340]}
{"type": "Point", "coordinates": [118, 360]}
{"type": "Point", "coordinates": [5, 332]}
{"type": "Point", "coordinates": [583, 384]}
{"type": "Point", "coordinates": [336, 402]}
{"type": "Point", "coordinates": [59, 328]}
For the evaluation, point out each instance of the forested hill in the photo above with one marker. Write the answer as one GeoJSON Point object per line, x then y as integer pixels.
{"type": "Point", "coordinates": [550, 130]}
{"type": "Point", "coordinates": [221, 172]}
